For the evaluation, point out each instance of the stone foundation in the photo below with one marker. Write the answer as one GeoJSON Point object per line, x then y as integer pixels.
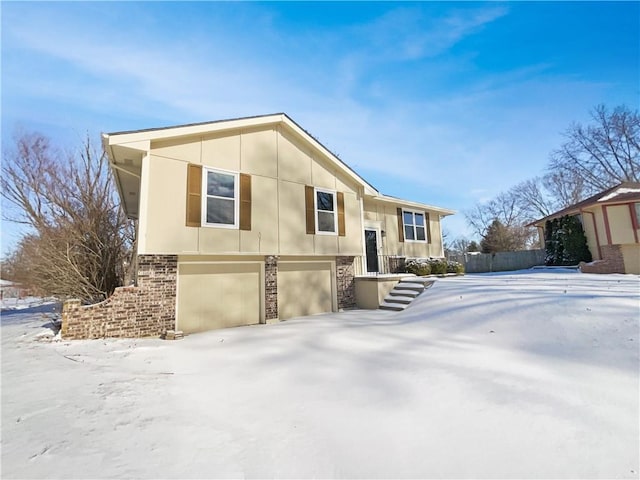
{"type": "Point", "coordinates": [145, 310]}
{"type": "Point", "coordinates": [271, 287]}
{"type": "Point", "coordinates": [612, 261]}
{"type": "Point", "coordinates": [345, 276]}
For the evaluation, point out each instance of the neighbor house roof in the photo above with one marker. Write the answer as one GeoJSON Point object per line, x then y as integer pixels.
{"type": "Point", "coordinates": [622, 193]}
{"type": "Point", "coordinates": [126, 149]}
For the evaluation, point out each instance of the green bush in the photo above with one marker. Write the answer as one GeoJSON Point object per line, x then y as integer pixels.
{"type": "Point", "coordinates": [438, 266]}
{"type": "Point", "coordinates": [433, 266]}
{"type": "Point", "coordinates": [455, 267]}
{"type": "Point", "coordinates": [565, 241]}
{"type": "Point", "coordinates": [418, 267]}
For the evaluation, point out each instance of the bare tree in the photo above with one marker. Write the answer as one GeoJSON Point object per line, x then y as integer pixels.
{"type": "Point", "coordinates": [80, 239]}
{"type": "Point", "coordinates": [604, 153]}
{"type": "Point", "coordinates": [594, 158]}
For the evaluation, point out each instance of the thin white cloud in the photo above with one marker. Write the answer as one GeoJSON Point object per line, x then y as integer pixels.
{"type": "Point", "coordinates": [339, 84]}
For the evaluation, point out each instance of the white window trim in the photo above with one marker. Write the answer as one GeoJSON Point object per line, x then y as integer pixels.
{"type": "Point", "coordinates": [425, 226]}
{"type": "Point", "coordinates": [236, 199]}
{"type": "Point", "coordinates": [335, 210]}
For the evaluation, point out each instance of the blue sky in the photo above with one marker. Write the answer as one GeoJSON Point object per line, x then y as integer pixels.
{"type": "Point", "coordinates": [442, 103]}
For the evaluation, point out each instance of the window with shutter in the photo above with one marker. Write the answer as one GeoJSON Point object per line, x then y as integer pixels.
{"type": "Point", "coordinates": [324, 211]}
{"type": "Point", "coordinates": [218, 198]}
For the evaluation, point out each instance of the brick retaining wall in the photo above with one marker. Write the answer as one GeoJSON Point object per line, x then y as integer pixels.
{"type": "Point", "coordinates": [612, 261]}
{"type": "Point", "coordinates": [145, 310]}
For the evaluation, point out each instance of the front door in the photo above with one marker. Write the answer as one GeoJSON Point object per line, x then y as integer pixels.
{"type": "Point", "coordinates": [371, 249]}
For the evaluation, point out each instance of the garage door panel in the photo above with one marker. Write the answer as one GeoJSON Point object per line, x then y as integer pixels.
{"type": "Point", "coordinates": [304, 289]}
{"type": "Point", "coordinates": [214, 296]}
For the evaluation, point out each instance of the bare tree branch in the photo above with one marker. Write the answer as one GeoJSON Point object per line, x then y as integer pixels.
{"type": "Point", "coordinates": [80, 240]}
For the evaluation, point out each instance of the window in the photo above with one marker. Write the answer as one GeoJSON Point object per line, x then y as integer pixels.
{"type": "Point", "coordinates": [637, 206]}
{"type": "Point", "coordinates": [414, 226]}
{"type": "Point", "coordinates": [220, 194]}
{"type": "Point", "coordinates": [326, 215]}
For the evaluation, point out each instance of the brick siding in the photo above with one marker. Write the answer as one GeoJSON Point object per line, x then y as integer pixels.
{"type": "Point", "coordinates": [145, 310]}
{"type": "Point", "coordinates": [612, 261]}
{"type": "Point", "coordinates": [345, 276]}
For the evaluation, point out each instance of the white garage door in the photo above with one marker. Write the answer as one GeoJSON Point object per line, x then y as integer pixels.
{"type": "Point", "coordinates": [218, 295]}
{"type": "Point", "coordinates": [304, 288]}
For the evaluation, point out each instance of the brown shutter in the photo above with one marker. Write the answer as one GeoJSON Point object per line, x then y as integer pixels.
{"type": "Point", "coordinates": [341, 224]}
{"type": "Point", "coordinates": [400, 226]}
{"type": "Point", "coordinates": [310, 209]}
{"type": "Point", "coordinates": [427, 225]}
{"type": "Point", "coordinates": [245, 201]}
{"type": "Point", "coordinates": [194, 195]}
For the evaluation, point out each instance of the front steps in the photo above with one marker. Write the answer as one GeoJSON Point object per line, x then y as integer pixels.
{"type": "Point", "coordinates": [405, 292]}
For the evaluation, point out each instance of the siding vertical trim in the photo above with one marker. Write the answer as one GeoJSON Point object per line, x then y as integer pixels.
{"type": "Point", "coordinates": [634, 223]}
{"type": "Point", "coordinates": [607, 228]}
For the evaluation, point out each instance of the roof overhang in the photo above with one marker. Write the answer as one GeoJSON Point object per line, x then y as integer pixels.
{"type": "Point", "coordinates": [127, 149]}
{"type": "Point", "coordinates": [443, 212]}
{"type": "Point", "coordinates": [625, 192]}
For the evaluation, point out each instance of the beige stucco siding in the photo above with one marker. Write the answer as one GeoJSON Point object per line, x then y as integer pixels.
{"type": "Point", "coordinates": [222, 151]}
{"type": "Point", "coordinates": [165, 212]}
{"type": "Point", "coordinates": [218, 295]}
{"type": "Point", "coordinates": [294, 159]}
{"type": "Point", "coordinates": [305, 288]}
{"type": "Point", "coordinates": [280, 164]}
{"type": "Point", "coordinates": [620, 224]}
{"type": "Point", "coordinates": [263, 236]}
{"type": "Point", "coordinates": [387, 217]}
{"type": "Point", "coordinates": [259, 149]}
{"type": "Point", "coordinates": [351, 243]}
{"type": "Point", "coordinates": [291, 220]}
{"type": "Point", "coordinates": [631, 256]}
{"type": "Point", "coordinates": [187, 150]}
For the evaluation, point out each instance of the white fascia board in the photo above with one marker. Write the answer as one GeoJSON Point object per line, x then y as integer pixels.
{"type": "Point", "coordinates": [190, 130]}
{"type": "Point", "coordinates": [407, 203]}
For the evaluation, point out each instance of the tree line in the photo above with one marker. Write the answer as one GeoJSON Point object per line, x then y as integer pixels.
{"type": "Point", "coordinates": [592, 158]}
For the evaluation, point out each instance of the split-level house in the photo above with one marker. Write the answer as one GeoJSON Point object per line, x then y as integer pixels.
{"type": "Point", "coordinates": [611, 222]}
{"type": "Point", "coordinates": [247, 221]}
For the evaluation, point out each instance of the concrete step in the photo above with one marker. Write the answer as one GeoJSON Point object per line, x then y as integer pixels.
{"type": "Point", "coordinates": [398, 307]}
{"type": "Point", "coordinates": [419, 280]}
{"type": "Point", "coordinates": [405, 293]}
{"type": "Point", "coordinates": [409, 286]}
{"type": "Point", "coordinates": [398, 299]}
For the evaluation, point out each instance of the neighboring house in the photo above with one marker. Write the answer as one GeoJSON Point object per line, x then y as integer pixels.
{"type": "Point", "coordinates": [247, 221]}
{"type": "Point", "coordinates": [611, 221]}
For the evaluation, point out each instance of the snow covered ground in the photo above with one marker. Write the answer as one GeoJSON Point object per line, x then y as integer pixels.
{"type": "Point", "coordinates": [520, 375]}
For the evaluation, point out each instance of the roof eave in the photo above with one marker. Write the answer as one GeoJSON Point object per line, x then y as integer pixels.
{"type": "Point", "coordinates": [444, 212]}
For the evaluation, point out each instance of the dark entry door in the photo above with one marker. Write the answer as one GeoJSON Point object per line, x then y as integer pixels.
{"type": "Point", "coordinates": [371, 248]}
